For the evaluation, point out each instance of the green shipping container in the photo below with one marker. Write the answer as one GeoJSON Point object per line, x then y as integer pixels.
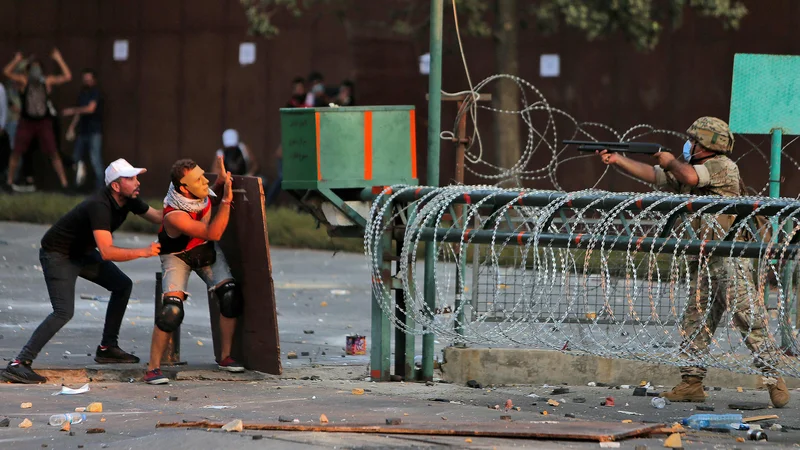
{"type": "Point", "coordinates": [348, 147]}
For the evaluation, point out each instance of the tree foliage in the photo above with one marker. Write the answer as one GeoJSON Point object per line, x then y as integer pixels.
{"type": "Point", "coordinates": [641, 22]}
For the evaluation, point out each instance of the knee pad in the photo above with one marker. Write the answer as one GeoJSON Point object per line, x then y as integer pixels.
{"type": "Point", "coordinates": [230, 300]}
{"type": "Point", "coordinates": [170, 316]}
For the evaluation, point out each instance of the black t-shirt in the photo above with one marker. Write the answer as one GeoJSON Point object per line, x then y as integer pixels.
{"type": "Point", "coordinates": [90, 123]}
{"type": "Point", "coordinates": [73, 234]}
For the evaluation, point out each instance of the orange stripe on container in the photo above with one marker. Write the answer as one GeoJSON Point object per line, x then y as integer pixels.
{"type": "Point", "coordinates": [319, 165]}
{"type": "Point", "coordinates": [755, 206]}
{"type": "Point", "coordinates": [368, 145]}
{"type": "Point", "coordinates": [578, 239]}
{"type": "Point", "coordinates": [413, 119]}
{"type": "Point", "coordinates": [689, 206]}
{"type": "Point", "coordinates": [519, 238]}
{"type": "Point", "coordinates": [639, 203]}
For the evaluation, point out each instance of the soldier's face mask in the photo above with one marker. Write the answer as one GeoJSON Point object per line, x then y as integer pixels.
{"type": "Point", "coordinates": [687, 150]}
{"type": "Point", "coordinates": [196, 183]}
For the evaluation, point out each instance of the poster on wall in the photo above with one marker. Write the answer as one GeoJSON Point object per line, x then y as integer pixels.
{"type": "Point", "coordinates": [247, 53]}
{"type": "Point", "coordinates": [121, 50]}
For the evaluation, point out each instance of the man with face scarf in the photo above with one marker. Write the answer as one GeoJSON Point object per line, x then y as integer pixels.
{"type": "Point", "coordinates": [188, 238]}
{"type": "Point", "coordinates": [720, 282]}
{"type": "Point", "coordinates": [34, 122]}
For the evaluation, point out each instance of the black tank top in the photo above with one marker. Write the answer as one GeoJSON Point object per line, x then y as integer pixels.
{"type": "Point", "coordinates": [234, 160]}
{"type": "Point", "coordinates": [34, 100]}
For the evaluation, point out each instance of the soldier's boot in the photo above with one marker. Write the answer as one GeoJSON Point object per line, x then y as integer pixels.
{"type": "Point", "coordinates": [689, 390]}
{"type": "Point", "coordinates": [778, 392]}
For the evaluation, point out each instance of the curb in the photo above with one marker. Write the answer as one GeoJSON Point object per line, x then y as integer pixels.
{"type": "Point", "coordinates": [125, 373]}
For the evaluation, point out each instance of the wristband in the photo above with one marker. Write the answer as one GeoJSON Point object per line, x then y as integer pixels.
{"type": "Point", "coordinates": [228, 202]}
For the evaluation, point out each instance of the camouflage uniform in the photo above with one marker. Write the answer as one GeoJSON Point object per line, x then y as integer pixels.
{"type": "Point", "coordinates": [719, 282]}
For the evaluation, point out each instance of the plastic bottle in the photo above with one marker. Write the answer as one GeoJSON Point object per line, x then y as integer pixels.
{"type": "Point", "coordinates": [658, 402]}
{"type": "Point", "coordinates": [58, 420]}
{"type": "Point", "coordinates": [699, 421]}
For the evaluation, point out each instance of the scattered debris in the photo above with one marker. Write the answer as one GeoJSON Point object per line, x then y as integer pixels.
{"type": "Point", "coordinates": [26, 405]}
{"type": "Point", "coordinates": [739, 389]}
{"type": "Point", "coordinates": [339, 292]}
{"type": "Point", "coordinates": [640, 447]}
{"type": "Point", "coordinates": [234, 425]}
{"type": "Point", "coordinates": [776, 427]}
{"type": "Point", "coordinates": [578, 400]}
{"type": "Point", "coordinates": [509, 404]}
{"type": "Point", "coordinates": [257, 437]}
{"type": "Point", "coordinates": [609, 401]}
{"type": "Point", "coordinates": [358, 391]}
{"type": "Point", "coordinates": [474, 384]}
{"type": "Point", "coordinates": [200, 343]}
{"type": "Point", "coordinates": [26, 424]}
{"type": "Point", "coordinates": [95, 407]}
{"type": "Point", "coordinates": [323, 304]}
{"type": "Point", "coordinates": [102, 419]}
{"type": "Point", "coordinates": [308, 331]}
{"type": "Point", "coordinates": [291, 355]}
{"type": "Point", "coordinates": [640, 392]}
{"type": "Point", "coordinates": [627, 421]}
{"type": "Point", "coordinates": [508, 418]}
{"type": "Point", "coordinates": [552, 402]}
{"type": "Point", "coordinates": [218, 407]}
{"type": "Point", "coordinates": [66, 427]}
{"type": "Point", "coordinates": [394, 421]}
{"type": "Point", "coordinates": [80, 409]}
{"type": "Point", "coordinates": [69, 391]}
{"type": "Point", "coordinates": [304, 354]}
{"type": "Point", "coordinates": [5, 423]}
{"type": "Point", "coordinates": [591, 384]}
{"type": "Point", "coordinates": [468, 440]}
{"type": "Point", "coordinates": [748, 406]}
{"type": "Point", "coordinates": [629, 413]}
{"type": "Point", "coordinates": [570, 415]}
{"type": "Point", "coordinates": [759, 418]}
{"type": "Point", "coordinates": [609, 445]}
{"type": "Point", "coordinates": [95, 430]}
{"type": "Point", "coordinates": [658, 402]}
{"type": "Point", "coordinates": [173, 399]}
{"type": "Point", "coordinates": [560, 391]}
{"type": "Point", "coordinates": [673, 441]}
{"type": "Point", "coordinates": [285, 419]}
{"type": "Point", "coordinates": [323, 418]}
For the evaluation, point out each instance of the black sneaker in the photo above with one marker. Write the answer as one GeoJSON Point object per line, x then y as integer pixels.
{"type": "Point", "coordinates": [20, 372]}
{"type": "Point", "coordinates": [113, 355]}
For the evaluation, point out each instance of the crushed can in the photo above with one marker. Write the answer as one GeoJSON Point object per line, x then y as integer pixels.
{"type": "Point", "coordinates": [356, 345]}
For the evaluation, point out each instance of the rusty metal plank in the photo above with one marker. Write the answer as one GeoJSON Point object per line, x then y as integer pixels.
{"type": "Point", "coordinates": [577, 431]}
{"type": "Point", "coordinates": [245, 244]}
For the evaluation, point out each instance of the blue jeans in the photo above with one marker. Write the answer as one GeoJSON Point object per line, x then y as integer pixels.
{"type": "Point", "coordinates": [93, 142]}
{"type": "Point", "coordinates": [11, 129]}
{"type": "Point", "coordinates": [60, 274]}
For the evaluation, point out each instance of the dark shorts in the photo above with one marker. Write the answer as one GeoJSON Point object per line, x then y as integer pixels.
{"type": "Point", "coordinates": [42, 130]}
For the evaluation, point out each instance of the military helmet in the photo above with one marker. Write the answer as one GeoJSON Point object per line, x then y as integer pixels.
{"type": "Point", "coordinates": [713, 134]}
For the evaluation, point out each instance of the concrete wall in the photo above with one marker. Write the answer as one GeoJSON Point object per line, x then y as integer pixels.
{"type": "Point", "coordinates": [515, 366]}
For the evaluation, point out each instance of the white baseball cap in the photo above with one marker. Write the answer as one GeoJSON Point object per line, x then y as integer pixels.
{"type": "Point", "coordinates": [230, 138]}
{"type": "Point", "coordinates": [121, 168]}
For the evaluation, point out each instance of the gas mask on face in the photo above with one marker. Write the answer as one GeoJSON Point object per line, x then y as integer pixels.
{"type": "Point", "coordinates": [36, 73]}
{"type": "Point", "coordinates": [196, 183]}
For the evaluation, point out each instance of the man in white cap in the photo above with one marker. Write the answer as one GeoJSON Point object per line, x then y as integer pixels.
{"type": "Point", "coordinates": [80, 245]}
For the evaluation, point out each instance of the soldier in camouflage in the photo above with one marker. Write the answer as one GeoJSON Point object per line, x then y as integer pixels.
{"type": "Point", "coordinates": [717, 282]}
